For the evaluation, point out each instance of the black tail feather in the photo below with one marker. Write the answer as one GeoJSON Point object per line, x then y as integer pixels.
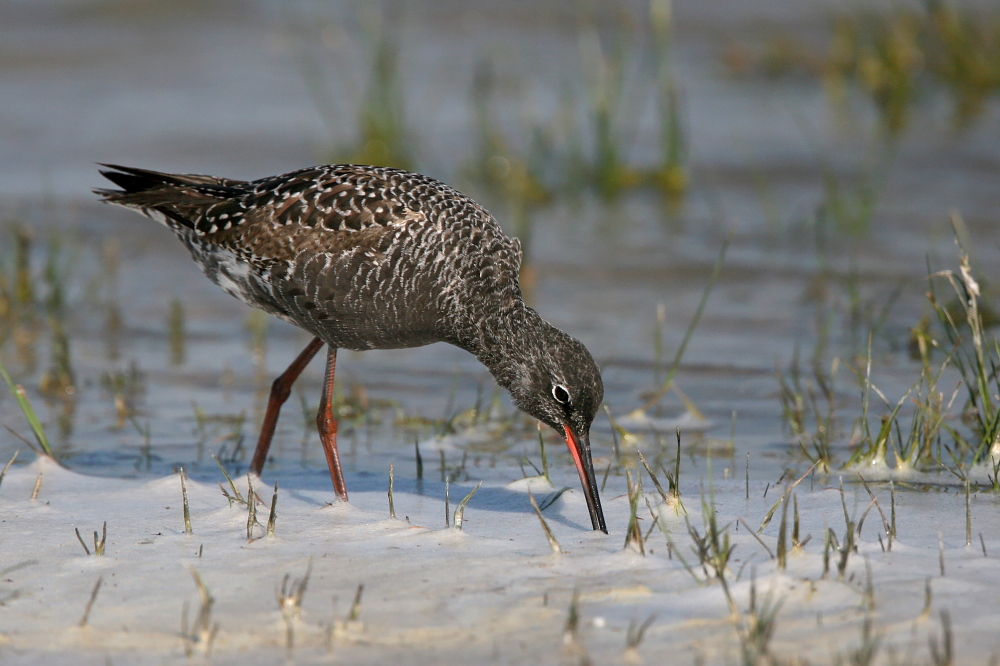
{"type": "Point", "coordinates": [182, 198]}
{"type": "Point", "coordinates": [133, 180]}
{"type": "Point", "coordinates": [130, 180]}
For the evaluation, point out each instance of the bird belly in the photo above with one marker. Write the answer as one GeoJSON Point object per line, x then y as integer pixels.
{"type": "Point", "coordinates": [225, 269]}
{"type": "Point", "coordinates": [235, 276]}
{"type": "Point", "coordinates": [342, 307]}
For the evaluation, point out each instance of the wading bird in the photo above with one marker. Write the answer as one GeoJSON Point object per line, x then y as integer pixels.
{"type": "Point", "coordinates": [375, 258]}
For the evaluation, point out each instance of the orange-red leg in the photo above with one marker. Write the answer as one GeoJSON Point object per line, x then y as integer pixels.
{"type": "Point", "coordinates": [280, 390]}
{"type": "Point", "coordinates": [327, 426]}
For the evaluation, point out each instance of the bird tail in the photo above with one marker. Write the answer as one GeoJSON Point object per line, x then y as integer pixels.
{"type": "Point", "coordinates": [166, 196]}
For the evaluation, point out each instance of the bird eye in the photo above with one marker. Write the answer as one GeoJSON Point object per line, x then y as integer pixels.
{"type": "Point", "coordinates": [560, 393]}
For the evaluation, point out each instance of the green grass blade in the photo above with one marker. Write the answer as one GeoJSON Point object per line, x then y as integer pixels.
{"type": "Point", "coordinates": [29, 413]}
{"type": "Point", "coordinates": [693, 325]}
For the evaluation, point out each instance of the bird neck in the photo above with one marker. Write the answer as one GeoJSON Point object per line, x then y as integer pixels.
{"type": "Point", "coordinates": [504, 340]}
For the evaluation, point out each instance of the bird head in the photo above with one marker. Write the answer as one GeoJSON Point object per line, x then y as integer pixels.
{"type": "Point", "coordinates": [558, 382]}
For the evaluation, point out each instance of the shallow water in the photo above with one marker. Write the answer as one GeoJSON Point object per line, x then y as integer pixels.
{"type": "Point", "coordinates": [219, 91]}
{"type": "Point", "coordinates": [190, 91]}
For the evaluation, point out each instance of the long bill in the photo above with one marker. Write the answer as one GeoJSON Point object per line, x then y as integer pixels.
{"type": "Point", "coordinates": [579, 447]}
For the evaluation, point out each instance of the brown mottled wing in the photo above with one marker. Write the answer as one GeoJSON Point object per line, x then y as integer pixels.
{"type": "Point", "coordinates": [333, 208]}
{"type": "Point", "coordinates": [364, 257]}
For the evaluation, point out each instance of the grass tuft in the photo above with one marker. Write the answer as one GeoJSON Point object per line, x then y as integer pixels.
{"type": "Point", "coordinates": [545, 461]}
{"type": "Point", "coordinates": [808, 410]}
{"type": "Point", "coordinates": [98, 543]}
{"type": "Point", "coordinates": [932, 442]}
{"type": "Point", "coordinates": [712, 547]}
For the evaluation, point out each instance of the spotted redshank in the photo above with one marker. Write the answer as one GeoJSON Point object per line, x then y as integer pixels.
{"type": "Point", "coordinates": [368, 257]}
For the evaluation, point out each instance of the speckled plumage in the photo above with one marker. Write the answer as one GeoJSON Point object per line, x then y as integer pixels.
{"type": "Point", "coordinates": [375, 258]}
{"type": "Point", "coordinates": [363, 257]}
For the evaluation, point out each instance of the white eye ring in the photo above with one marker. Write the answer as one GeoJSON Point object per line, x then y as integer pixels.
{"type": "Point", "coordinates": [561, 394]}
